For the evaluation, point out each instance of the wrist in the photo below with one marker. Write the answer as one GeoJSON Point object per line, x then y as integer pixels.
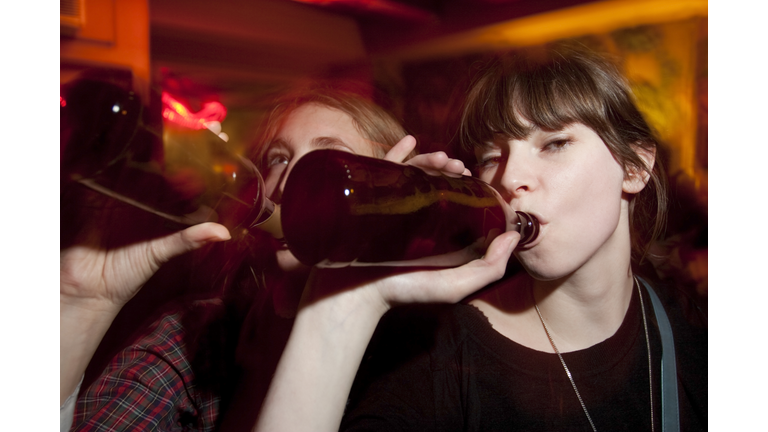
{"type": "Point", "coordinates": [354, 310]}
{"type": "Point", "coordinates": [87, 308]}
{"type": "Point", "coordinates": [83, 324]}
{"type": "Point", "coordinates": [357, 307]}
{"type": "Point", "coordinates": [82, 319]}
{"type": "Point", "coordinates": [346, 291]}
{"type": "Point", "coordinates": [320, 360]}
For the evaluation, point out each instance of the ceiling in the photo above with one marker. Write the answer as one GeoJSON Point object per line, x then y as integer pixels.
{"type": "Point", "coordinates": [241, 50]}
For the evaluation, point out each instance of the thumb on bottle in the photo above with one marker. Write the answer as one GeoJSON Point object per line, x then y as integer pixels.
{"type": "Point", "coordinates": [188, 240]}
{"type": "Point", "coordinates": [202, 234]}
{"type": "Point", "coordinates": [500, 249]}
{"type": "Point", "coordinates": [400, 151]}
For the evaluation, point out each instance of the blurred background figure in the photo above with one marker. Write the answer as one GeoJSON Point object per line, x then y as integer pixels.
{"type": "Point", "coordinates": [218, 324]}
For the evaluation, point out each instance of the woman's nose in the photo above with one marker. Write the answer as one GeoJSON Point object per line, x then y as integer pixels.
{"type": "Point", "coordinates": [283, 178]}
{"type": "Point", "coordinates": [287, 171]}
{"type": "Point", "coordinates": [275, 183]}
{"type": "Point", "coordinates": [517, 178]}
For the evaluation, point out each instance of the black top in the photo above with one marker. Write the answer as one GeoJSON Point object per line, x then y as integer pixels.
{"type": "Point", "coordinates": [444, 368]}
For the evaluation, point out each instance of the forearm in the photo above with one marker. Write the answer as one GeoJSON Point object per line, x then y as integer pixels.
{"type": "Point", "coordinates": [315, 374]}
{"type": "Point", "coordinates": [82, 326]}
{"type": "Point", "coordinates": [342, 309]}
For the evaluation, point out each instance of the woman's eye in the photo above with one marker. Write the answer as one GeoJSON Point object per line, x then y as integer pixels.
{"type": "Point", "coordinates": [277, 160]}
{"type": "Point", "coordinates": [488, 162]}
{"type": "Point", "coordinates": [342, 148]}
{"type": "Point", "coordinates": [556, 145]}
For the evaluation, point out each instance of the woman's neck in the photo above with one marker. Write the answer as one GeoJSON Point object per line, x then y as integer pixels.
{"type": "Point", "coordinates": [579, 312]}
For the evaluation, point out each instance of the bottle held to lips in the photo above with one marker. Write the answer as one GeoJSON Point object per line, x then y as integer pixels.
{"type": "Point", "coordinates": [341, 209]}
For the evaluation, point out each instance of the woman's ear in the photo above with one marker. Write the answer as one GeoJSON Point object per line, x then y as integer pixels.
{"type": "Point", "coordinates": [637, 177]}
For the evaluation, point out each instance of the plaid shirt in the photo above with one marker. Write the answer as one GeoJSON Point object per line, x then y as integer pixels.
{"type": "Point", "coordinates": [148, 387]}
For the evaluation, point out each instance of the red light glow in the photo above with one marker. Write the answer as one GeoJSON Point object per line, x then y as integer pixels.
{"type": "Point", "coordinates": [62, 102]}
{"type": "Point", "coordinates": [386, 7]}
{"type": "Point", "coordinates": [175, 112]}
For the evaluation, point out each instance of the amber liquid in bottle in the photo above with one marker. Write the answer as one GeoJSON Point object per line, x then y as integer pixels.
{"type": "Point", "coordinates": [342, 209]}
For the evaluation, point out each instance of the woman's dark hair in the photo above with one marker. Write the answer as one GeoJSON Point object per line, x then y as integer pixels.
{"type": "Point", "coordinates": [553, 88]}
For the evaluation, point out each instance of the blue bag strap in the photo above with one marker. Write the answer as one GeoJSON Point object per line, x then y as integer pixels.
{"type": "Point", "coordinates": [670, 416]}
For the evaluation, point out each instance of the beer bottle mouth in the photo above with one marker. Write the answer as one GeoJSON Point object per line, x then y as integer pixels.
{"type": "Point", "coordinates": [267, 217]}
{"type": "Point", "coordinates": [528, 227]}
{"type": "Point", "coordinates": [269, 220]}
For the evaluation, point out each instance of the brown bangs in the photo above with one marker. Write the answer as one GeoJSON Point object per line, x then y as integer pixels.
{"type": "Point", "coordinates": [547, 93]}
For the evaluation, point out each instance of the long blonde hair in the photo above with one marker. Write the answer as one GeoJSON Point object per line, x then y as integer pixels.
{"type": "Point", "coordinates": [372, 121]}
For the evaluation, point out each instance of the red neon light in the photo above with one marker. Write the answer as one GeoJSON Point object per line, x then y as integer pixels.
{"type": "Point", "coordinates": [387, 7]}
{"type": "Point", "coordinates": [62, 101]}
{"type": "Point", "coordinates": [175, 112]}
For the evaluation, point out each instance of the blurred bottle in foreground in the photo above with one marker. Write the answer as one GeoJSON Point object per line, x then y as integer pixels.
{"type": "Point", "coordinates": [108, 146]}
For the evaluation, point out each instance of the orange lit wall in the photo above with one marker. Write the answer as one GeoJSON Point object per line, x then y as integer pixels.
{"type": "Point", "coordinates": [114, 34]}
{"type": "Point", "coordinates": [661, 44]}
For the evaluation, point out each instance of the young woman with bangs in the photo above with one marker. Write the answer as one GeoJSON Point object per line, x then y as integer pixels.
{"type": "Point", "coordinates": [576, 341]}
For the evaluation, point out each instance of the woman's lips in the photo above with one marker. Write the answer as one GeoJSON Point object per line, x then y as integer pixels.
{"type": "Point", "coordinates": [278, 244]}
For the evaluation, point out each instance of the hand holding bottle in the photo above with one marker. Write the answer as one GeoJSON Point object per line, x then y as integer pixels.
{"type": "Point", "coordinates": [99, 274]}
{"type": "Point", "coordinates": [340, 309]}
{"type": "Point", "coordinates": [96, 275]}
{"type": "Point", "coordinates": [393, 286]}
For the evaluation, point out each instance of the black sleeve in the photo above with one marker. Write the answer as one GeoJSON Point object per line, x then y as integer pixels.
{"type": "Point", "coordinates": [394, 388]}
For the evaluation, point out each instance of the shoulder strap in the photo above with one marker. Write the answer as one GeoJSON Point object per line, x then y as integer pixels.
{"type": "Point", "coordinates": [670, 417]}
